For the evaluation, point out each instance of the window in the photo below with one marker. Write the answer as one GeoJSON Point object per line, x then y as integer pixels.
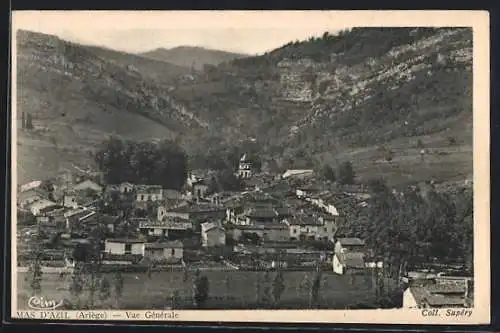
{"type": "Point", "coordinates": [173, 252]}
{"type": "Point", "coordinates": [294, 231]}
{"type": "Point", "coordinates": [325, 229]}
{"type": "Point", "coordinates": [142, 197]}
{"type": "Point", "coordinates": [128, 248]}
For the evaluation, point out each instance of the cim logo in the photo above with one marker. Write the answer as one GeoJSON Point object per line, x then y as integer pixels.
{"type": "Point", "coordinates": [40, 303]}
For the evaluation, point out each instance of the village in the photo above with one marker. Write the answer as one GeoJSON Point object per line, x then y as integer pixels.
{"type": "Point", "coordinates": [288, 222]}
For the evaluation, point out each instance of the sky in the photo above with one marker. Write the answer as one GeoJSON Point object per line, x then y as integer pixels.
{"type": "Point", "coordinates": [244, 32]}
{"type": "Point", "coordinates": [250, 32]}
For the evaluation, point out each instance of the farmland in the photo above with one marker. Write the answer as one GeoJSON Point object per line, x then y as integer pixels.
{"type": "Point", "coordinates": [233, 289]}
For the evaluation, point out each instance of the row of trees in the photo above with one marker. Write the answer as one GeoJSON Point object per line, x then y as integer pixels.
{"type": "Point", "coordinates": [159, 163]}
{"type": "Point", "coordinates": [418, 225]}
{"type": "Point", "coordinates": [344, 174]}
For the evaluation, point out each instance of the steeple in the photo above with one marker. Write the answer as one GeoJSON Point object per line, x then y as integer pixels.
{"type": "Point", "coordinates": [245, 167]}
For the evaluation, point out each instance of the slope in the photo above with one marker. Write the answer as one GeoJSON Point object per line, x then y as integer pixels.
{"type": "Point", "coordinates": [375, 96]}
{"type": "Point", "coordinates": [78, 97]}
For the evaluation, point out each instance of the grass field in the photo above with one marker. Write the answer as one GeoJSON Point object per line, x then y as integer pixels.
{"type": "Point", "coordinates": [228, 289]}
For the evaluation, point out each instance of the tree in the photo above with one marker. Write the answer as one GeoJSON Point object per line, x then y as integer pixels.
{"type": "Point", "coordinates": [105, 289]}
{"type": "Point", "coordinates": [118, 282]}
{"type": "Point", "coordinates": [328, 173]}
{"type": "Point", "coordinates": [29, 122]}
{"type": "Point", "coordinates": [155, 163]}
{"type": "Point", "coordinates": [258, 288]}
{"type": "Point", "coordinates": [200, 290]}
{"type": "Point", "coordinates": [346, 173]}
{"type": "Point", "coordinates": [267, 295]}
{"type": "Point", "coordinates": [278, 287]}
{"type": "Point", "coordinates": [315, 287]}
{"type": "Point", "coordinates": [34, 276]}
{"type": "Point", "coordinates": [77, 283]}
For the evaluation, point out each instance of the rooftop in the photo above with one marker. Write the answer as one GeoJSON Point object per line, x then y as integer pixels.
{"type": "Point", "coordinates": [149, 189]}
{"type": "Point", "coordinates": [125, 240]}
{"type": "Point", "coordinates": [194, 208]}
{"type": "Point", "coordinates": [260, 226]}
{"type": "Point", "coordinates": [352, 259]}
{"type": "Point", "coordinates": [108, 219]}
{"type": "Point", "coordinates": [304, 220]}
{"type": "Point", "coordinates": [207, 226]}
{"type": "Point", "coordinates": [261, 213]}
{"type": "Point", "coordinates": [435, 296]}
{"type": "Point", "coordinates": [351, 241]}
{"type": "Point", "coordinates": [290, 173]}
{"type": "Point", "coordinates": [164, 245]}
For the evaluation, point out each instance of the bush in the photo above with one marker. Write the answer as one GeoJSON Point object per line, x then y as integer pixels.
{"type": "Point", "coordinates": [346, 173]}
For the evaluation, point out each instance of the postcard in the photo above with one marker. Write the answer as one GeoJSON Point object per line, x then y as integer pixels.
{"type": "Point", "coordinates": [251, 166]}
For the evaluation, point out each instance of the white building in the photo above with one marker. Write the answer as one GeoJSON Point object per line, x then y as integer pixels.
{"type": "Point", "coordinates": [212, 234]}
{"type": "Point", "coordinates": [70, 201]}
{"type": "Point", "coordinates": [299, 173]}
{"type": "Point", "coordinates": [149, 193]}
{"type": "Point", "coordinates": [38, 205]}
{"type": "Point", "coordinates": [311, 228]}
{"type": "Point", "coordinates": [348, 262]}
{"type": "Point", "coordinates": [125, 246]}
{"type": "Point", "coordinates": [164, 251]}
{"type": "Point", "coordinates": [88, 185]}
{"type": "Point", "coordinates": [126, 187]}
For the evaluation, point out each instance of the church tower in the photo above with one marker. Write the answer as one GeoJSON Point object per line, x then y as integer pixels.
{"type": "Point", "coordinates": [245, 167]}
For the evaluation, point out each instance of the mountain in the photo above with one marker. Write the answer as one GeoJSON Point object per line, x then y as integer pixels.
{"type": "Point", "coordinates": [192, 56]}
{"type": "Point", "coordinates": [79, 95]}
{"type": "Point", "coordinates": [396, 102]}
{"type": "Point", "coordinates": [378, 97]}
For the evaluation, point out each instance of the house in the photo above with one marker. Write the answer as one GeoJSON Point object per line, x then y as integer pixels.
{"type": "Point", "coordinates": [435, 295]}
{"type": "Point", "coordinates": [349, 244]}
{"type": "Point", "coordinates": [168, 227]}
{"type": "Point", "coordinates": [124, 246]}
{"type": "Point", "coordinates": [80, 219]}
{"type": "Point", "coordinates": [126, 187]}
{"type": "Point", "coordinates": [195, 211]}
{"type": "Point", "coordinates": [36, 207]}
{"type": "Point", "coordinates": [261, 214]}
{"type": "Point", "coordinates": [199, 189]}
{"type": "Point", "coordinates": [212, 234]}
{"type": "Point", "coordinates": [88, 185]}
{"type": "Point", "coordinates": [164, 252]}
{"type": "Point", "coordinates": [307, 227]}
{"type": "Point", "coordinates": [109, 221]}
{"type": "Point", "coordinates": [271, 232]}
{"type": "Point", "coordinates": [195, 176]}
{"type": "Point", "coordinates": [69, 200]}
{"type": "Point", "coordinates": [349, 262]}
{"type": "Point", "coordinates": [297, 173]}
{"type": "Point", "coordinates": [28, 197]}
{"type": "Point", "coordinates": [171, 194]}
{"type": "Point", "coordinates": [29, 186]}
{"type": "Point", "coordinates": [245, 167]}
{"type": "Point", "coordinates": [146, 193]}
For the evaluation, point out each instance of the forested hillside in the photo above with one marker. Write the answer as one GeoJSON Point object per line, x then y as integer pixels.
{"type": "Point", "coordinates": [396, 102]}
